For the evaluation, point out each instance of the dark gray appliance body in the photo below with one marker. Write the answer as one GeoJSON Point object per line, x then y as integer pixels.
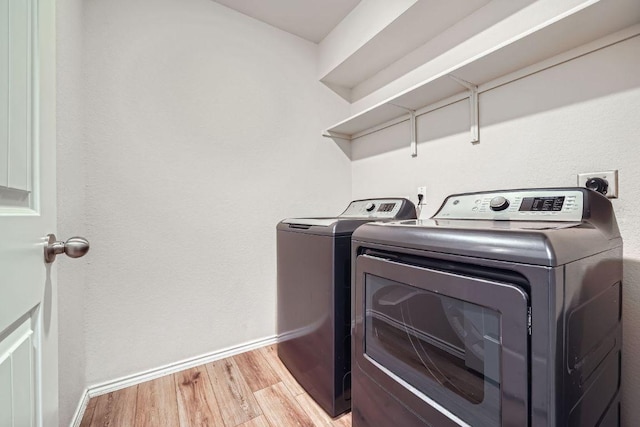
{"type": "Point", "coordinates": [493, 318]}
{"type": "Point", "coordinates": [313, 281]}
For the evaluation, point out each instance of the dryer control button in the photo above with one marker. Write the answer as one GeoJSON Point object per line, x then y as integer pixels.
{"type": "Point", "coordinates": [499, 203]}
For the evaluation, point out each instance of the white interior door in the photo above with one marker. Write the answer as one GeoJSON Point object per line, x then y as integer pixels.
{"type": "Point", "coordinates": [28, 317]}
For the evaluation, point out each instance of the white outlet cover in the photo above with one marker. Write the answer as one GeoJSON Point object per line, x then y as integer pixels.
{"type": "Point", "coordinates": [610, 176]}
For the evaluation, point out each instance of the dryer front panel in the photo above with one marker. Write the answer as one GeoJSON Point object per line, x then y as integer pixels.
{"type": "Point", "coordinates": [452, 348]}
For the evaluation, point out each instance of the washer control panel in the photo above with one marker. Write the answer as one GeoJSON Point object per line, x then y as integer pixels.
{"type": "Point", "coordinates": [373, 208]}
{"type": "Point", "coordinates": [522, 205]}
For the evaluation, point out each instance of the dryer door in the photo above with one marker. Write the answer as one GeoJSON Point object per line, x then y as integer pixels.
{"type": "Point", "coordinates": [443, 343]}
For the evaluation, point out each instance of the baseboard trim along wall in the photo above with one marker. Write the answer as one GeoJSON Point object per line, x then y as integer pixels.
{"type": "Point", "coordinates": [130, 380]}
{"type": "Point", "coordinates": [82, 406]}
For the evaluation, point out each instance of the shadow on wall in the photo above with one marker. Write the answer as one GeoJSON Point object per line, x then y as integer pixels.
{"type": "Point", "coordinates": [630, 341]}
{"type": "Point", "coordinates": [598, 74]}
{"type": "Point", "coordinates": [344, 145]}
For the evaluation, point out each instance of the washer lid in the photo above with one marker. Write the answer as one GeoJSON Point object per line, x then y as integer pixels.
{"type": "Point", "coordinates": [323, 226]}
{"type": "Point", "coordinates": [357, 213]}
{"type": "Point", "coordinates": [322, 222]}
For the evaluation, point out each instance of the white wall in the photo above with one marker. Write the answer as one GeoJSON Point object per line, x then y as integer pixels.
{"type": "Point", "coordinates": [201, 130]}
{"type": "Point", "coordinates": [71, 173]}
{"type": "Point", "coordinates": [581, 116]}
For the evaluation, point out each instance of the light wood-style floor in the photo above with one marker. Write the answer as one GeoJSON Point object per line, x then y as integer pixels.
{"type": "Point", "coordinates": [252, 389]}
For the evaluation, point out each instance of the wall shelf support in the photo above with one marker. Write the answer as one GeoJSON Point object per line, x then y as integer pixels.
{"type": "Point", "coordinates": [414, 142]}
{"type": "Point", "coordinates": [474, 113]}
{"type": "Point", "coordinates": [414, 129]}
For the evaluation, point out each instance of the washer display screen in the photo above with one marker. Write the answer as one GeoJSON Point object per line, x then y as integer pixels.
{"type": "Point", "coordinates": [386, 207]}
{"type": "Point", "coordinates": [542, 204]}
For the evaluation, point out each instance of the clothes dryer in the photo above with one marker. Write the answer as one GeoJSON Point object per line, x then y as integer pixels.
{"type": "Point", "coordinates": [503, 309]}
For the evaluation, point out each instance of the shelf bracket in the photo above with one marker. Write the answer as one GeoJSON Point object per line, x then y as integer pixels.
{"type": "Point", "coordinates": [474, 116]}
{"type": "Point", "coordinates": [412, 124]}
{"type": "Point", "coordinates": [414, 129]}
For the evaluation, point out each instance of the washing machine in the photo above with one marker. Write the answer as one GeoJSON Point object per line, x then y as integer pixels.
{"type": "Point", "coordinates": [313, 282]}
{"type": "Point", "coordinates": [503, 309]}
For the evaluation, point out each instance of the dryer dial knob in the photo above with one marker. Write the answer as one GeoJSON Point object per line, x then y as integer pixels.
{"type": "Point", "coordinates": [370, 206]}
{"type": "Point", "coordinates": [498, 203]}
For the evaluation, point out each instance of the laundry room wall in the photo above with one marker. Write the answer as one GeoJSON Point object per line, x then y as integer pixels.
{"type": "Point", "coordinates": [201, 129]}
{"type": "Point", "coordinates": [539, 131]}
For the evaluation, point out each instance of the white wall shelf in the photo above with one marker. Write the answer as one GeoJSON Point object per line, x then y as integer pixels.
{"type": "Point", "coordinates": [591, 21]}
{"type": "Point", "coordinates": [416, 25]}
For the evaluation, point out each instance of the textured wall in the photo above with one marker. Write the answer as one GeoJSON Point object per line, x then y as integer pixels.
{"type": "Point", "coordinates": [581, 116]}
{"type": "Point", "coordinates": [202, 131]}
{"type": "Point", "coordinates": [71, 173]}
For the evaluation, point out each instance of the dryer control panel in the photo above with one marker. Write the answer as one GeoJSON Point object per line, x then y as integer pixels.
{"type": "Point", "coordinates": [515, 205]}
{"type": "Point", "coordinates": [375, 208]}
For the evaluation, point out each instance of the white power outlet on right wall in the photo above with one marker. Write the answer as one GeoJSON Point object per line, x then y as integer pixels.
{"type": "Point", "coordinates": [611, 177]}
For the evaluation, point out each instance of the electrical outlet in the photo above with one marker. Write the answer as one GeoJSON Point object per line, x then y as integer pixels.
{"type": "Point", "coordinates": [610, 176]}
{"type": "Point", "coordinates": [423, 191]}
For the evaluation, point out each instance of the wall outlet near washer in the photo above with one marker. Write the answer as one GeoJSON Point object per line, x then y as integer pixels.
{"type": "Point", "coordinates": [423, 191]}
{"type": "Point", "coordinates": [610, 176]}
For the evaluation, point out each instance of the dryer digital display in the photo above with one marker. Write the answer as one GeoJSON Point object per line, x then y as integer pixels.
{"type": "Point", "coordinates": [542, 204]}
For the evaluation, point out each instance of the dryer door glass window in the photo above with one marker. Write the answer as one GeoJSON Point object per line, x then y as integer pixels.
{"type": "Point", "coordinates": [445, 348]}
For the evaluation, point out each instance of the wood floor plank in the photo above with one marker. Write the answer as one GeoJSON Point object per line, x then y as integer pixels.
{"type": "Point", "coordinates": [235, 398]}
{"type": "Point", "coordinates": [319, 416]}
{"type": "Point", "coordinates": [256, 370]}
{"type": "Point", "coordinates": [88, 413]}
{"type": "Point", "coordinates": [116, 409]}
{"type": "Point", "coordinates": [343, 420]}
{"type": "Point", "coordinates": [232, 393]}
{"type": "Point", "coordinates": [197, 406]}
{"type": "Point", "coordinates": [280, 407]}
{"type": "Point", "coordinates": [260, 421]}
{"type": "Point", "coordinates": [315, 412]}
{"type": "Point", "coordinates": [157, 404]}
{"type": "Point", "coordinates": [92, 403]}
{"type": "Point", "coordinates": [271, 354]}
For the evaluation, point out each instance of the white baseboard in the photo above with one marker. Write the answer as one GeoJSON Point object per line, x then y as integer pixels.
{"type": "Point", "coordinates": [82, 406]}
{"type": "Point", "coordinates": [151, 374]}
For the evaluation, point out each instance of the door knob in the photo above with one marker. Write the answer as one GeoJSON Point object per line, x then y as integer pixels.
{"type": "Point", "coordinates": [75, 247]}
